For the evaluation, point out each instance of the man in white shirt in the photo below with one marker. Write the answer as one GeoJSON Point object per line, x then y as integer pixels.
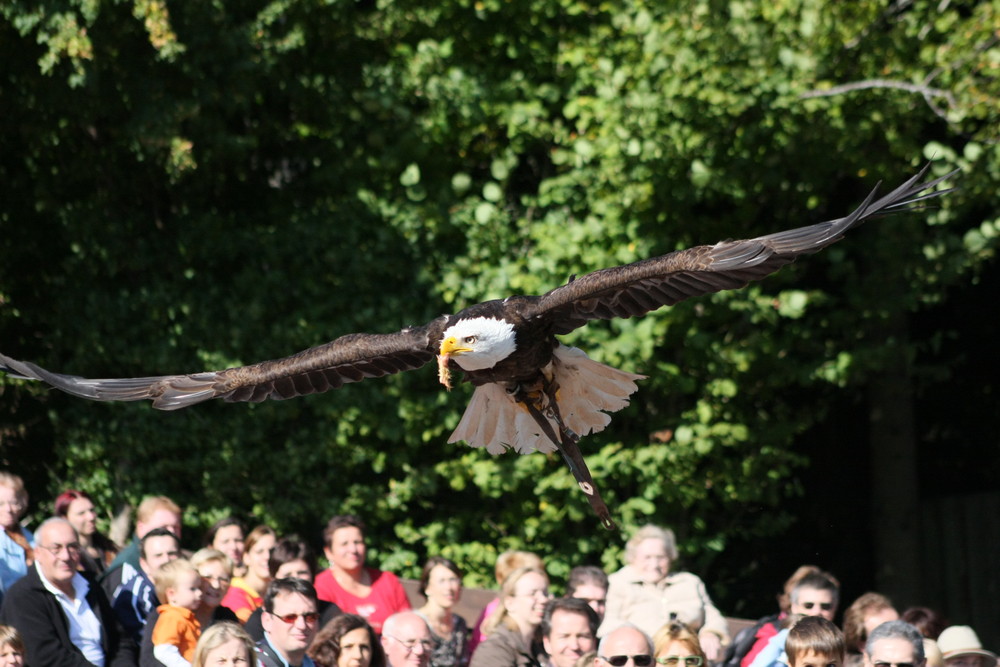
{"type": "Point", "coordinates": [63, 618]}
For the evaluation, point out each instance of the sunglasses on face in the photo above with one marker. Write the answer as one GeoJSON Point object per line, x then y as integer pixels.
{"type": "Point", "coordinates": [825, 606]}
{"type": "Point", "coordinates": [674, 660]}
{"type": "Point", "coordinates": [621, 660]}
{"type": "Point", "coordinates": [309, 618]}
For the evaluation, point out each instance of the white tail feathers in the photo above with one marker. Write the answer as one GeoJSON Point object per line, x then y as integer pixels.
{"type": "Point", "coordinates": [588, 390]}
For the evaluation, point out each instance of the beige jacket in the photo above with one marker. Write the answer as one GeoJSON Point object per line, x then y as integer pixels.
{"type": "Point", "coordinates": [649, 606]}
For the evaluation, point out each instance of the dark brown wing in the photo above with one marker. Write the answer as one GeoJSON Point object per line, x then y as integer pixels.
{"type": "Point", "coordinates": [350, 358]}
{"type": "Point", "coordinates": [638, 288]}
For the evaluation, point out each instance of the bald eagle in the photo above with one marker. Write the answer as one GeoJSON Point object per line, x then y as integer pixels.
{"type": "Point", "coordinates": [531, 391]}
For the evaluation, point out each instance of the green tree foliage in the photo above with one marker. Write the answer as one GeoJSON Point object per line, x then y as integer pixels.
{"type": "Point", "coordinates": [204, 184]}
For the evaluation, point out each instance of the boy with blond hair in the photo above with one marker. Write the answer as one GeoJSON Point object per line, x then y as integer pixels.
{"type": "Point", "coordinates": [815, 642]}
{"type": "Point", "coordinates": [810, 641]}
{"type": "Point", "coordinates": [177, 629]}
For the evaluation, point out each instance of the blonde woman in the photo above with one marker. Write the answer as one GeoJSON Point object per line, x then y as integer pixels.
{"type": "Point", "coordinates": [226, 645]}
{"type": "Point", "coordinates": [675, 645]}
{"type": "Point", "coordinates": [513, 627]}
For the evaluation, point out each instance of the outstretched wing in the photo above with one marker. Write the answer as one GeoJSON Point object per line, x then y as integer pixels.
{"type": "Point", "coordinates": [638, 288]}
{"type": "Point", "coordinates": [350, 358]}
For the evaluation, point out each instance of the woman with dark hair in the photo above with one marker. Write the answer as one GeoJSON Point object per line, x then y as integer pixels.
{"type": "Point", "coordinates": [346, 641]}
{"type": "Point", "coordinates": [96, 550]}
{"type": "Point", "coordinates": [291, 557]}
{"type": "Point", "coordinates": [227, 535]}
{"type": "Point", "coordinates": [246, 593]}
{"type": "Point", "coordinates": [441, 584]}
{"type": "Point", "coordinates": [371, 593]}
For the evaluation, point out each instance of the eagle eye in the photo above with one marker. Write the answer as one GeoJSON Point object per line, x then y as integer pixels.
{"type": "Point", "coordinates": [469, 340]}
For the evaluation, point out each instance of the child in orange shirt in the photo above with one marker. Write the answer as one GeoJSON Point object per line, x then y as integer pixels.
{"type": "Point", "coordinates": [177, 630]}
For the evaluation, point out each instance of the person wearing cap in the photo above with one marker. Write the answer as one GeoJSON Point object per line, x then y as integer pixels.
{"type": "Point", "coordinates": [960, 647]}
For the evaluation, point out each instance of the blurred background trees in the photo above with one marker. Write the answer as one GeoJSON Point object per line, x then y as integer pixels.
{"type": "Point", "coordinates": [197, 185]}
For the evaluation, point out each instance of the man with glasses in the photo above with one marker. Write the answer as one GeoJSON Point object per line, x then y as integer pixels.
{"type": "Point", "coordinates": [626, 646]}
{"type": "Point", "coordinates": [815, 595]}
{"type": "Point", "coordinates": [406, 639]}
{"type": "Point", "coordinates": [290, 622]}
{"type": "Point", "coordinates": [64, 618]}
{"type": "Point", "coordinates": [895, 644]}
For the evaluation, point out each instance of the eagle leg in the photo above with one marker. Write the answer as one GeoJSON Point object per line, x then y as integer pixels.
{"type": "Point", "coordinates": [542, 407]}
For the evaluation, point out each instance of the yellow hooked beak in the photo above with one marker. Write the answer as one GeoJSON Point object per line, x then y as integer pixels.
{"type": "Point", "coordinates": [450, 347]}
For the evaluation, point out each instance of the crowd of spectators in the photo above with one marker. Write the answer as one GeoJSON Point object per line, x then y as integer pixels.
{"type": "Point", "coordinates": [69, 596]}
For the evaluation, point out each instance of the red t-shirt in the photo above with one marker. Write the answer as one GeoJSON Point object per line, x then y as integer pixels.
{"type": "Point", "coordinates": [386, 598]}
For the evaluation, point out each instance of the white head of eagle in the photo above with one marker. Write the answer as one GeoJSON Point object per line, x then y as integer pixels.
{"type": "Point", "coordinates": [478, 343]}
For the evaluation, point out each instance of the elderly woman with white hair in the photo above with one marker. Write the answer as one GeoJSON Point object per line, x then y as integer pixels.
{"type": "Point", "coordinates": [648, 595]}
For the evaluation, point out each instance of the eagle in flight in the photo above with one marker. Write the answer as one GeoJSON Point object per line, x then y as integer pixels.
{"type": "Point", "coordinates": [531, 391]}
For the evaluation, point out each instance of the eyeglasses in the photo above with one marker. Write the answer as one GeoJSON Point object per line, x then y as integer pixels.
{"type": "Point", "coordinates": [218, 581]}
{"type": "Point", "coordinates": [310, 617]}
{"type": "Point", "coordinates": [825, 606]}
{"type": "Point", "coordinates": [674, 660]}
{"type": "Point", "coordinates": [642, 660]}
{"type": "Point", "coordinates": [893, 664]}
{"type": "Point", "coordinates": [56, 549]}
{"type": "Point", "coordinates": [426, 644]}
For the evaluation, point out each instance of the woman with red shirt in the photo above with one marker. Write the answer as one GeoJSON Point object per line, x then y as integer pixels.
{"type": "Point", "coordinates": [370, 593]}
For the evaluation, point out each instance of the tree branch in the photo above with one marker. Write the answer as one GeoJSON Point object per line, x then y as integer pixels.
{"type": "Point", "coordinates": [928, 93]}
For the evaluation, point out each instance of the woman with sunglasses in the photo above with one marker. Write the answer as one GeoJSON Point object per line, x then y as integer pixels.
{"type": "Point", "coordinates": [513, 627]}
{"type": "Point", "coordinates": [674, 645]}
{"type": "Point", "coordinates": [647, 594]}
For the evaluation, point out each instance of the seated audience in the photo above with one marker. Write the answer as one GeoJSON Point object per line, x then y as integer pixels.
{"type": "Point", "coordinates": [625, 646]}
{"type": "Point", "coordinates": [98, 551]}
{"type": "Point", "coordinates": [245, 593]}
{"type": "Point", "coordinates": [11, 647]}
{"type": "Point", "coordinates": [366, 591]}
{"type": "Point", "coordinates": [506, 563]}
{"type": "Point", "coordinates": [569, 631]}
{"type": "Point", "coordinates": [894, 643]}
{"type": "Point", "coordinates": [290, 622]}
{"type": "Point", "coordinates": [176, 629]}
{"type": "Point", "coordinates": [291, 557]}
{"type": "Point", "coordinates": [864, 615]}
{"type": "Point", "coordinates": [646, 594]}
{"type": "Point", "coordinates": [512, 628]}
{"type": "Point", "coordinates": [215, 570]}
{"type": "Point", "coordinates": [153, 512]}
{"type": "Point", "coordinates": [225, 645]}
{"type": "Point", "coordinates": [134, 601]}
{"type": "Point", "coordinates": [227, 535]}
{"type": "Point", "coordinates": [347, 641]}
{"type": "Point", "coordinates": [63, 618]}
{"type": "Point", "coordinates": [676, 646]}
{"type": "Point", "coordinates": [960, 647]}
{"type": "Point", "coordinates": [16, 553]}
{"type": "Point", "coordinates": [406, 640]}
{"type": "Point", "coordinates": [589, 583]}
{"type": "Point", "coordinates": [441, 584]}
